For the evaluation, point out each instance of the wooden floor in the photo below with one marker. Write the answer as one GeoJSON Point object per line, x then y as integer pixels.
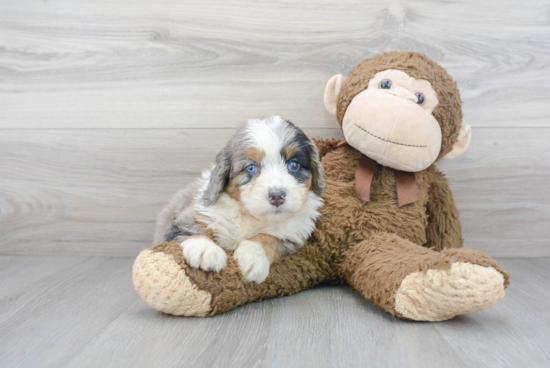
{"type": "Point", "coordinates": [84, 312]}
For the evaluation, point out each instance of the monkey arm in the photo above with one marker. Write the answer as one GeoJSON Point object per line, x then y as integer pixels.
{"type": "Point", "coordinates": [444, 229]}
{"type": "Point", "coordinates": [166, 282]}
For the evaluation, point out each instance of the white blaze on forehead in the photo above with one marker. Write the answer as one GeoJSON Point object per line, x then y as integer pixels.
{"type": "Point", "coordinates": [270, 135]}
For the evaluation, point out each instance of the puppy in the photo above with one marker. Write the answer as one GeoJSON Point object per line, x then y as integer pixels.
{"type": "Point", "coordinates": [261, 199]}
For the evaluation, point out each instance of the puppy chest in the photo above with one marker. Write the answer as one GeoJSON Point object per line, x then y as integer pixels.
{"type": "Point", "coordinates": [230, 229]}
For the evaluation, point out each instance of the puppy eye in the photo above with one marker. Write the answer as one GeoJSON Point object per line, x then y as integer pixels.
{"type": "Point", "coordinates": [421, 98]}
{"type": "Point", "coordinates": [385, 84]}
{"type": "Point", "coordinates": [252, 169]}
{"type": "Point", "coordinates": [293, 166]}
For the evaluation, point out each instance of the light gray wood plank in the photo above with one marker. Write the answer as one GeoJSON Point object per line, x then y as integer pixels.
{"type": "Point", "coordinates": [69, 308]}
{"type": "Point", "coordinates": [328, 326]}
{"type": "Point", "coordinates": [25, 277]}
{"type": "Point", "coordinates": [91, 316]}
{"type": "Point", "coordinates": [501, 188]}
{"type": "Point", "coordinates": [181, 64]}
{"type": "Point", "coordinates": [517, 328]}
{"type": "Point", "coordinates": [98, 191]}
{"type": "Point", "coordinates": [235, 339]}
{"type": "Point", "coordinates": [334, 326]}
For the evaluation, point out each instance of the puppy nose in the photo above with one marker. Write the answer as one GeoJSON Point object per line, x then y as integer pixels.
{"type": "Point", "coordinates": [276, 197]}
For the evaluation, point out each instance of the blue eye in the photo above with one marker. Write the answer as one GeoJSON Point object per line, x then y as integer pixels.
{"type": "Point", "coordinates": [293, 166]}
{"type": "Point", "coordinates": [385, 84]}
{"type": "Point", "coordinates": [252, 169]}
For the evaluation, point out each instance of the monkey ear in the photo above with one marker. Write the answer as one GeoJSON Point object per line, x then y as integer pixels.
{"type": "Point", "coordinates": [464, 137]}
{"type": "Point", "coordinates": [332, 90]}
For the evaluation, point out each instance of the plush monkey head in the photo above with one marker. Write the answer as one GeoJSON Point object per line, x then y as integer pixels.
{"type": "Point", "coordinates": [400, 109]}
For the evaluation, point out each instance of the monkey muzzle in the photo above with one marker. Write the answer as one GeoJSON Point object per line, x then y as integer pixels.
{"type": "Point", "coordinates": [390, 127]}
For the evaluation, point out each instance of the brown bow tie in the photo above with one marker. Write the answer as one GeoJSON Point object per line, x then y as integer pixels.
{"type": "Point", "coordinates": [405, 181]}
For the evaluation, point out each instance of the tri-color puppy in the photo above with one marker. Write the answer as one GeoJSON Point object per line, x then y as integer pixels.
{"type": "Point", "coordinates": [261, 199]}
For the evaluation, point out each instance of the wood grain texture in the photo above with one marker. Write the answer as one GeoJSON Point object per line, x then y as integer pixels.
{"type": "Point", "coordinates": [62, 311]}
{"type": "Point", "coordinates": [108, 107]}
{"type": "Point", "coordinates": [23, 279]}
{"type": "Point", "coordinates": [175, 64]}
{"type": "Point", "coordinates": [86, 314]}
{"type": "Point", "coordinates": [501, 189]}
{"type": "Point", "coordinates": [98, 191]}
{"type": "Point", "coordinates": [527, 300]}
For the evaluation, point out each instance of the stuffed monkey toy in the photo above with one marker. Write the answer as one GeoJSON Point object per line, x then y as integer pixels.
{"type": "Point", "coordinates": [389, 225]}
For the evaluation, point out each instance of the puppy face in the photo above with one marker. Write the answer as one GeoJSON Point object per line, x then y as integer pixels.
{"type": "Point", "coordinates": [270, 166]}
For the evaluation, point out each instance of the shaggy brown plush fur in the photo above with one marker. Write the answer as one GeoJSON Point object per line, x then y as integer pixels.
{"type": "Point", "coordinates": [374, 246]}
{"type": "Point", "coordinates": [386, 259]}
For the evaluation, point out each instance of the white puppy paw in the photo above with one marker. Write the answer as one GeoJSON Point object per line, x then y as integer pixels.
{"type": "Point", "coordinates": [202, 252]}
{"type": "Point", "coordinates": [253, 261]}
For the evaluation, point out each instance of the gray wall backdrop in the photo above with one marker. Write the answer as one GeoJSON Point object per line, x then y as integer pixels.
{"type": "Point", "coordinates": [108, 107]}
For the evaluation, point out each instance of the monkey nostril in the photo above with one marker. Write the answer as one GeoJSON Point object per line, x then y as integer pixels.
{"type": "Point", "coordinates": [277, 198]}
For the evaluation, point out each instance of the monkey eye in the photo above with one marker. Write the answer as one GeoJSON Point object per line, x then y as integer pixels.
{"type": "Point", "coordinates": [385, 84]}
{"type": "Point", "coordinates": [421, 98]}
{"type": "Point", "coordinates": [252, 169]}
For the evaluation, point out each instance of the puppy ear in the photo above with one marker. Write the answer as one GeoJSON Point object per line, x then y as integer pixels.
{"type": "Point", "coordinates": [317, 179]}
{"type": "Point", "coordinates": [219, 176]}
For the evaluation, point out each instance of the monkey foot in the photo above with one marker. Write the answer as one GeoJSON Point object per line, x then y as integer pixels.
{"type": "Point", "coordinates": [165, 286]}
{"type": "Point", "coordinates": [438, 295]}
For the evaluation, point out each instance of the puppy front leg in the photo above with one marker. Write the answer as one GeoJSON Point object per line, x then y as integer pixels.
{"type": "Point", "coordinates": [257, 254]}
{"type": "Point", "coordinates": [201, 251]}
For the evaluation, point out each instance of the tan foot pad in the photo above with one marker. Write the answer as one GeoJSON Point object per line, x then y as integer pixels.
{"type": "Point", "coordinates": [438, 295]}
{"type": "Point", "coordinates": [163, 284]}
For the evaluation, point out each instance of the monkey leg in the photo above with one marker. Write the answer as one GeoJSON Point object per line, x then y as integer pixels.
{"type": "Point", "coordinates": [167, 283]}
{"type": "Point", "coordinates": [417, 283]}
